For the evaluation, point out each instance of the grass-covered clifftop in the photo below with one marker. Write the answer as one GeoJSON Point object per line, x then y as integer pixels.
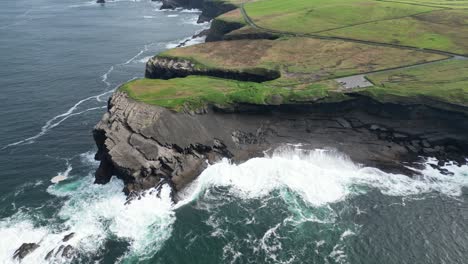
{"type": "Point", "coordinates": [394, 51]}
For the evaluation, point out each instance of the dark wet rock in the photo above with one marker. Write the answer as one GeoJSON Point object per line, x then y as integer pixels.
{"type": "Point", "coordinates": [24, 250]}
{"type": "Point", "coordinates": [68, 237]}
{"type": "Point", "coordinates": [220, 28]}
{"type": "Point", "coordinates": [49, 255]}
{"type": "Point", "coordinates": [146, 145]}
{"type": "Point", "coordinates": [59, 250]}
{"type": "Point", "coordinates": [68, 252]}
{"type": "Point", "coordinates": [426, 144]}
{"type": "Point", "coordinates": [399, 135]}
{"type": "Point", "coordinates": [100, 1]}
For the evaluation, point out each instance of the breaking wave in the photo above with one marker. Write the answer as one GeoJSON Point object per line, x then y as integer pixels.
{"type": "Point", "coordinates": [307, 182]}
{"type": "Point", "coordinates": [321, 177]}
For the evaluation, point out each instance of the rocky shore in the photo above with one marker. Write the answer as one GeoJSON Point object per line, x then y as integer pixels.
{"type": "Point", "coordinates": [147, 146]}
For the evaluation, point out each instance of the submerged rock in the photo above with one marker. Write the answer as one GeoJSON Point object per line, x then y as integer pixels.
{"type": "Point", "coordinates": [68, 252]}
{"type": "Point", "coordinates": [24, 250]}
{"type": "Point", "coordinates": [68, 237]}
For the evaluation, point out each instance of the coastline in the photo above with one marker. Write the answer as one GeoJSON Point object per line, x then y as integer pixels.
{"type": "Point", "coordinates": [147, 146]}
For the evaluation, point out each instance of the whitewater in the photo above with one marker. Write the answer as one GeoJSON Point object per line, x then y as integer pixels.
{"type": "Point", "coordinates": [307, 183]}
{"type": "Point", "coordinates": [290, 206]}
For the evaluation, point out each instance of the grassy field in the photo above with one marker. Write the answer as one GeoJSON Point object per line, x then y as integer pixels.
{"type": "Point", "coordinates": [232, 16]}
{"type": "Point", "coordinates": [441, 25]}
{"type": "Point", "coordinates": [195, 91]}
{"type": "Point", "coordinates": [444, 81]}
{"type": "Point", "coordinates": [309, 65]}
{"type": "Point", "coordinates": [300, 60]}
{"type": "Point", "coordinates": [443, 30]}
{"type": "Point", "coordinates": [454, 4]}
{"type": "Point", "coordinates": [310, 16]}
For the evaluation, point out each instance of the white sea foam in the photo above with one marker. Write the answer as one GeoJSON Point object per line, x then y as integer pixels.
{"type": "Point", "coordinates": [94, 213]}
{"type": "Point", "coordinates": [173, 15]}
{"type": "Point", "coordinates": [196, 11]}
{"type": "Point", "coordinates": [187, 42]}
{"type": "Point", "coordinates": [194, 21]}
{"type": "Point", "coordinates": [89, 3]}
{"type": "Point", "coordinates": [57, 120]}
{"type": "Point", "coordinates": [105, 76]}
{"type": "Point", "coordinates": [321, 178]}
{"type": "Point", "coordinates": [87, 158]}
{"type": "Point", "coordinates": [97, 213]}
{"type": "Point", "coordinates": [61, 176]}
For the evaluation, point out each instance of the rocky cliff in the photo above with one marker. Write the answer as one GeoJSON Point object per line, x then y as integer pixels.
{"type": "Point", "coordinates": [168, 68]}
{"type": "Point", "coordinates": [210, 8]}
{"type": "Point", "coordinates": [146, 145]}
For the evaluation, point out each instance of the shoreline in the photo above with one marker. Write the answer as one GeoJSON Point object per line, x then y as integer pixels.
{"type": "Point", "coordinates": [146, 145]}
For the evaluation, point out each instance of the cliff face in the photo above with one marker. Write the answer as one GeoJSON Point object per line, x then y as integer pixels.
{"type": "Point", "coordinates": [147, 145]}
{"type": "Point", "coordinates": [210, 8]}
{"type": "Point", "coordinates": [167, 68]}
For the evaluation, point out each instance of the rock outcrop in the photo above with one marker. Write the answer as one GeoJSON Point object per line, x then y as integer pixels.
{"type": "Point", "coordinates": [24, 250]}
{"type": "Point", "coordinates": [147, 145]}
{"type": "Point", "coordinates": [168, 68]}
{"type": "Point", "coordinates": [210, 8]}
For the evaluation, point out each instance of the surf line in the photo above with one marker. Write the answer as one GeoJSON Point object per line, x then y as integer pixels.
{"type": "Point", "coordinates": [51, 123]}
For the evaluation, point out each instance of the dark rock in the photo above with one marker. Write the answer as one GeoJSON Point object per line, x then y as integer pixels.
{"type": "Point", "coordinates": [68, 237]}
{"type": "Point", "coordinates": [24, 250]}
{"type": "Point", "coordinates": [146, 145]}
{"type": "Point", "coordinates": [100, 1]}
{"type": "Point", "coordinates": [344, 123]}
{"type": "Point", "coordinates": [168, 68]}
{"type": "Point", "coordinates": [426, 144]}
{"type": "Point", "coordinates": [68, 252]}
{"type": "Point", "coordinates": [59, 250]}
{"type": "Point", "coordinates": [47, 257]}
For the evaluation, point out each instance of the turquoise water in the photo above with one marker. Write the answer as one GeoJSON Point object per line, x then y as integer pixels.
{"type": "Point", "coordinates": [61, 60]}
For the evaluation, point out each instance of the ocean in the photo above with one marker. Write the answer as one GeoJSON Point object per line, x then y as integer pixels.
{"type": "Point", "coordinates": [59, 63]}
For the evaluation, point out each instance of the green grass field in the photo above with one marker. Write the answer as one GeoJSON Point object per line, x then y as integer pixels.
{"type": "Point", "coordinates": [310, 16]}
{"type": "Point", "coordinates": [309, 65]}
{"type": "Point", "coordinates": [445, 30]}
{"type": "Point", "coordinates": [453, 4]}
{"type": "Point", "coordinates": [195, 91]}
{"type": "Point", "coordinates": [443, 81]}
{"type": "Point", "coordinates": [440, 25]}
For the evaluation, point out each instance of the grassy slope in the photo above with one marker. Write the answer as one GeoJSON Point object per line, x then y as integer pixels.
{"type": "Point", "coordinates": [417, 23]}
{"type": "Point", "coordinates": [455, 4]}
{"type": "Point", "coordinates": [195, 91]}
{"type": "Point", "coordinates": [309, 16]}
{"type": "Point", "coordinates": [300, 60]}
{"type": "Point", "coordinates": [444, 81]}
{"type": "Point", "coordinates": [307, 64]}
{"type": "Point", "coordinates": [443, 30]}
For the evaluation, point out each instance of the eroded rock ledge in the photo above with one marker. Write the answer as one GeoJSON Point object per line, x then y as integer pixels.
{"type": "Point", "coordinates": [147, 145]}
{"type": "Point", "coordinates": [168, 68]}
